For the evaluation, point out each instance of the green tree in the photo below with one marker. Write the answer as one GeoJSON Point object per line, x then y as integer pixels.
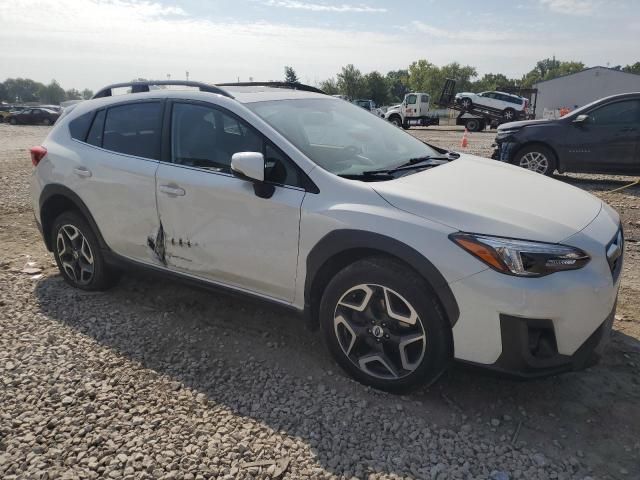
{"type": "Point", "coordinates": [397, 81]}
{"type": "Point", "coordinates": [376, 88]}
{"type": "Point", "coordinates": [492, 81]}
{"type": "Point", "coordinates": [87, 94]}
{"type": "Point", "coordinates": [329, 86]}
{"type": "Point", "coordinates": [22, 90]}
{"type": "Point", "coordinates": [635, 68]}
{"type": "Point", "coordinates": [72, 94]}
{"type": "Point", "coordinates": [462, 74]}
{"type": "Point", "coordinates": [290, 75]}
{"type": "Point", "coordinates": [351, 82]}
{"type": "Point", "coordinates": [550, 68]}
{"type": "Point", "coordinates": [52, 93]}
{"type": "Point", "coordinates": [4, 96]}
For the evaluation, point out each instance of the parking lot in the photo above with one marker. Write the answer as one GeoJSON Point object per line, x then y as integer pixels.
{"type": "Point", "coordinates": [154, 379]}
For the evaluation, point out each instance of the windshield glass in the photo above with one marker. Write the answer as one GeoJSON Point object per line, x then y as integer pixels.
{"type": "Point", "coordinates": [340, 137]}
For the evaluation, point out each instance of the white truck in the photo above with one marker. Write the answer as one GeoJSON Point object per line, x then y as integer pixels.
{"type": "Point", "coordinates": [412, 112]}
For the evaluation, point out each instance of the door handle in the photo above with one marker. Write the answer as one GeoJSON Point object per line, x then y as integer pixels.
{"type": "Point", "coordinates": [173, 190]}
{"type": "Point", "coordinates": [82, 172]}
{"type": "Point", "coordinates": [628, 129]}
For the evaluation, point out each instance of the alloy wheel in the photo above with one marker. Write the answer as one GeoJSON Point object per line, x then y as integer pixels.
{"type": "Point", "coordinates": [535, 161]}
{"type": "Point", "coordinates": [379, 331]}
{"type": "Point", "coordinates": [75, 254]}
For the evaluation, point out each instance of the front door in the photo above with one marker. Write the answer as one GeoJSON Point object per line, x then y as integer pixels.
{"type": "Point", "coordinates": [214, 225]}
{"type": "Point", "coordinates": [607, 140]}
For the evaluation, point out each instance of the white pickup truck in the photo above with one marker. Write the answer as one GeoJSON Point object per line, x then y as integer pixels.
{"type": "Point", "coordinates": [412, 112]}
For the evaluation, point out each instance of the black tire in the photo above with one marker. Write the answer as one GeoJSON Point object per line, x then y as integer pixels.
{"type": "Point", "coordinates": [406, 126]}
{"type": "Point", "coordinates": [47, 122]}
{"type": "Point", "coordinates": [526, 156]}
{"type": "Point", "coordinates": [396, 120]}
{"type": "Point", "coordinates": [1, 119]}
{"type": "Point", "coordinates": [428, 354]}
{"type": "Point", "coordinates": [466, 103]}
{"type": "Point", "coordinates": [102, 277]}
{"type": "Point", "coordinates": [473, 125]}
{"type": "Point", "coordinates": [13, 121]}
{"type": "Point", "coordinates": [509, 114]}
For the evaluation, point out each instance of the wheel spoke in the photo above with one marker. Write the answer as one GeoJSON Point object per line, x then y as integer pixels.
{"type": "Point", "coordinates": [69, 267]}
{"type": "Point", "coordinates": [377, 358]}
{"type": "Point", "coordinates": [353, 301]}
{"type": "Point", "coordinates": [402, 348]}
{"type": "Point", "coordinates": [341, 321]}
{"type": "Point", "coordinates": [410, 317]}
{"type": "Point", "coordinates": [86, 251]}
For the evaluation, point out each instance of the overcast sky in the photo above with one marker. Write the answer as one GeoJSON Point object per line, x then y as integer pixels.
{"type": "Point", "coordinates": [90, 43]}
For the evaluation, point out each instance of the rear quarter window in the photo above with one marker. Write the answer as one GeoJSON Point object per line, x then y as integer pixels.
{"type": "Point", "coordinates": [79, 127]}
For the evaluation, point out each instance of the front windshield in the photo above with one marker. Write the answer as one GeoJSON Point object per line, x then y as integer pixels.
{"type": "Point", "coordinates": [340, 137]}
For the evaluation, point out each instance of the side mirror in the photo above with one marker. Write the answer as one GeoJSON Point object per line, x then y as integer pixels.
{"type": "Point", "coordinates": [581, 119]}
{"type": "Point", "coordinates": [250, 166]}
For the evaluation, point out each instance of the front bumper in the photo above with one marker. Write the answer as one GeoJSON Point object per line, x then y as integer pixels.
{"type": "Point", "coordinates": [504, 151]}
{"type": "Point", "coordinates": [539, 326]}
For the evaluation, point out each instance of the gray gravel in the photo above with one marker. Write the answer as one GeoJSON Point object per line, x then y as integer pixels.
{"type": "Point", "coordinates": [132, 396]}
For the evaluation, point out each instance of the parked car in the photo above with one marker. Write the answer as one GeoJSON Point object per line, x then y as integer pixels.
{"type": "Point", "coordinates": [511, 106]}
{"type": "Point", "coordinates": [602, 137]}
{"type": "Point", "coordinates": [405, 255]}
{"type": "Point", "coordinates": [369, 105]}
{"type": "Point", "coordinates": [6, 110]}
{"type": "Point", "coordinates": [33, 116]}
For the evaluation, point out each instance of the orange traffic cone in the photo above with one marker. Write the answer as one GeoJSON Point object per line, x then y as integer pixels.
{"type": "Point", "coordinates": [465, 140]}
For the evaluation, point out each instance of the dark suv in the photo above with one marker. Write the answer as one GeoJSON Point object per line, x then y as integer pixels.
{"type": "Point", "coordinates": [601, 137]}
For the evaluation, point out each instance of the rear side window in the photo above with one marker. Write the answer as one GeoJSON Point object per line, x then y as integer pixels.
{"type": "Point", "coordinates": [424, 98]}
{"type": "Point", "coordinates": [619, 113]}
{"type": "Point", "coordinates": [95, 134]}
{"type": "Point", "coordinates": [134, 129]}
{"type": "Point", "coordinates": [78, 127]}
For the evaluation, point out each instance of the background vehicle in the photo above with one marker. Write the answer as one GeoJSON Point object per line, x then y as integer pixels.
{"type": "Point", "coordinates": [511, 106]}
{"type": "Point", "coordinates": [6, 110]}
{"type": "Point", "coordinates": [602, 137]}
{"type": "Point", "coordinates": [325, 209]}
{"type": "Point", "coordinates": [413, 111]}
{"type": "Point", "coordinates": [369, 105]}
{"type": "Point", "coordinates": [33, 116]}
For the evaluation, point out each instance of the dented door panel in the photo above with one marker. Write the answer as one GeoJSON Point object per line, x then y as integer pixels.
{"type": "Point", "coordinates": [221, 231]}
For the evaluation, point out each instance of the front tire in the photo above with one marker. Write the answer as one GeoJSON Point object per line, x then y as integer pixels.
{"type": "Point", "coordinates": [384, 327]}
{"type": "Point", "coordinates": [537, 158]}
{"type": "Point", "coordinates": [466, 103]}
{"type": "Point", "coordinates": [13, 121]}
{"type": "Point", "coordinates": [396, 120]}
{"type": "Point", "coordinates": [509, 114]}
{"type": "Point", "coordinates": [47, 122]}
{"type": "Point", "coordinates": [78, 254]}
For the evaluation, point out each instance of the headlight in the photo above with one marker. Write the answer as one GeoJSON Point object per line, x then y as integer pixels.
{"type": "Point", "coordinates": [506, 133]}
{"type": "Point", "coordinates": [521, 257]}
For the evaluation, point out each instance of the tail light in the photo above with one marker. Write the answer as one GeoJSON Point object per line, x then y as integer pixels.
{"type": "Point", "coordinates": [37, 154]}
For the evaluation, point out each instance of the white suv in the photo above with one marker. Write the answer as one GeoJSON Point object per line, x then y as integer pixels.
{"type": "Point", "coordinates": [511, 106]}
{"type": "Point", "coordinates": [405, 255]}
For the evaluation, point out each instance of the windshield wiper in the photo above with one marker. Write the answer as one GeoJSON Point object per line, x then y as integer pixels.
{"type": "Point", "coordinates": [411, 164]}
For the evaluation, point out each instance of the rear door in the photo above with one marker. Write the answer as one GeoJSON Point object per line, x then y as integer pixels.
{"type": "Point", "coordinates": [608, 140]}
{"type": "Point", "coordinates": [113, 172]}
{"type": "Point", "coordinates": [214, 224]}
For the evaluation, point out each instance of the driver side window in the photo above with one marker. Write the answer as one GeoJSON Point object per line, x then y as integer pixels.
{"type": "Point", "coordinates": [206, 137]}
{"type": "Point", "coordinates": [619, 113]}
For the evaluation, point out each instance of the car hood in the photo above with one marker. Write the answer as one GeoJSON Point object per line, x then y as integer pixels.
{"type": "Point", "coordinates": [524, 123]}
{"type": "Point", "coordinates": [479, 195]}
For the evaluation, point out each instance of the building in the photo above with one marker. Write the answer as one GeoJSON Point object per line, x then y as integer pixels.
{"type": "Point", "coordinates": [578, 89]}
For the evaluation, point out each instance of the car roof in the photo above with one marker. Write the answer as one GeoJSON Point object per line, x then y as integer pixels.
{"type": "Point", "coordinates": [250, 94]}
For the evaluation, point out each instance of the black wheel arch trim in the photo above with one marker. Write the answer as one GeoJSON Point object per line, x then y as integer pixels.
{"type": "Point", "coordinates": [342, 241]}
{"type": "Point", "coordinates": [56, 189]}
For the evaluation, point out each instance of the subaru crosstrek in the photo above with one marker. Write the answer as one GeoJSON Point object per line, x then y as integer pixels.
{"type": "Point", "coordinates": [405, 255]}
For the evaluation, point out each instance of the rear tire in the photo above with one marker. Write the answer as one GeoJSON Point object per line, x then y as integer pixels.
{"type": "Point", "coordinates": [473, 125]}
{"type": "Point", "coordinates": [406, 126]}
{"type": "Point", "coordinates": [537, 158]}
{"type": "Point", "coordinates": [383, 325]}
{"type": "Point", "coordinates": [78, 254]}
{"type": "Point", "coordinates": [13, 121]}
{"type": "Point", "coordinates": [46, 122]}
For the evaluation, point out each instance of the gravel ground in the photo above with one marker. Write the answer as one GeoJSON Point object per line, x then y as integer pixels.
{"type": "Point", "coordinates": [156, 380]}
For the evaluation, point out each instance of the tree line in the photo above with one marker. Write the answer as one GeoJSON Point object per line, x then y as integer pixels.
{"type": "Point", "coordinates": [424, 76]}
{"type": "Point", "coordinates": [25, 90]}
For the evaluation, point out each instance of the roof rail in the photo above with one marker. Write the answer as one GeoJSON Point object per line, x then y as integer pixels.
{"type": "Point", "coordinates": [144, 86]}
{"type": "Point", "coordinates": [291, 85]}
